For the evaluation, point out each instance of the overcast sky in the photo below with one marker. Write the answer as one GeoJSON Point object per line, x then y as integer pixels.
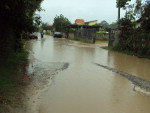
{"type": "Point", "coordinates": [80, 9]}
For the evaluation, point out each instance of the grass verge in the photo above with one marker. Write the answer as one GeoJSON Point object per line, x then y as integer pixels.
{"type": "Point", "coordinates": [104, 41]}
{"type": "Point", "coordinates": [81, 40]}
{"type": "Point", "coordinates": [11, 73]}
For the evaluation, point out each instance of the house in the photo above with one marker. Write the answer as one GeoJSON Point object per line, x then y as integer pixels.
{"type": "Point", "coordinates": [84, 30]}
{"type": "Point", "coordinates": [79, 21]}
{"type": "Point", "coordinates": [91, 23]}
{"type": "Point", "coordinates": [82, 22]}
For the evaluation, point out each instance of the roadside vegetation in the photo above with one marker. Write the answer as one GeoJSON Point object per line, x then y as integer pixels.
{"type": "Point", "coordinates": [134, 38]}
{"type": "Point", "coordinates": [17, 18]}
{"type": "Point", "coordinates": [11, 74]}
{"type": "Point", "coordinates": [102, 42]}
{"type": "Point", "coordinates": [81, 40]}
{"type": "Point", "coordinates": [46, 28]}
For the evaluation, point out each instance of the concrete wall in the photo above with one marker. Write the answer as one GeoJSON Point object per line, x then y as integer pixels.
{"type": "Point", "coordinates": [71, 35]}
{"type": "Point", "coordinates": [114, 37]}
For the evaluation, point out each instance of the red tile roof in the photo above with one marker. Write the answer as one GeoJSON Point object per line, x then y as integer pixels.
{"type": "Point", "coordinates": [79, 21]}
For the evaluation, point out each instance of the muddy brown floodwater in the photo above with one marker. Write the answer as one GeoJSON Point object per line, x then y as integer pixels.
{"type": "Point", "coordinates": [85, 87]}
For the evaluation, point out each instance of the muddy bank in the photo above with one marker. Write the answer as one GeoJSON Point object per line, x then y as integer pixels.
{"type": "Point", "coordinates": [138, 82]}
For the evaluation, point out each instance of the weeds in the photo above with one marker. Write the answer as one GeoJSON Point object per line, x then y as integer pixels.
{"type": "Point", "coordinates": [81, 40]}
{"type": "Point", "coordinates": [10, 77]}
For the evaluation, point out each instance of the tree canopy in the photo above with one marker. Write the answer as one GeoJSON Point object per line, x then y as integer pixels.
{"type": "Point", "coordinates": [122, 3]}
{"type": "Point", "coordinates": [46, 26]}
{"type": "Point", "coordinates": [20, 13]}
{"type": "Point", "coordinates": [104, 23]}
{"type": "Point", "coordinates": [16, 17]}
{"type": "Point", "coordinates": [135, 31]}
{"type": "Point", "coordinates": [60, 22]}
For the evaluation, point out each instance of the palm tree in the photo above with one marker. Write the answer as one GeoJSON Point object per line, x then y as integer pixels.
{"type": "Point", "coordinates": [118, 9]}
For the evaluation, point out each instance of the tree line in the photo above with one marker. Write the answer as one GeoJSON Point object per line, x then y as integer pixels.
{"type": "Point", "coordinates": [16, 17]}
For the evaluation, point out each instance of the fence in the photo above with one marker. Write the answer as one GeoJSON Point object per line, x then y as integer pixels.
{"type": "Point", "coordinates": [102, 37]}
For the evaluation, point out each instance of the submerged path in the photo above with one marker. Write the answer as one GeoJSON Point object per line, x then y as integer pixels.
{"type": "Point", "coordinates": [143, 84]}
{"type": "Point", "coordinates": [84, 87]}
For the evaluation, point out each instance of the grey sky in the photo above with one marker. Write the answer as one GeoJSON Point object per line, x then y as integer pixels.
{"type": "Point", "coordinates": [80, 9]}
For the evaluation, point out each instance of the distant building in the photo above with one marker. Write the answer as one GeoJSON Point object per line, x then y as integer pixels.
{"type": "Point", "coordinates": [79, 21]}
{"type": "Point", "coordinates": [91, 23]}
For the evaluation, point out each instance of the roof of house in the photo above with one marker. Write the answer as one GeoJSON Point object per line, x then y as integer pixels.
{"type": "Point", "coordinates": [83, 26]}
{"type": "Point", "coordinates": [80, 21]}
{"type": "Point", "coordinates": [91, 21]}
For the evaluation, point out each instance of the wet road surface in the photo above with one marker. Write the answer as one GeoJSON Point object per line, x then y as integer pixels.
{"type": "Point", "coordinates": [85, 87]}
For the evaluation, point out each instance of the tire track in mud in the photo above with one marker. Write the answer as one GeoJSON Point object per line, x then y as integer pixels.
{"type": "Point", "coordinates": [138, 82]}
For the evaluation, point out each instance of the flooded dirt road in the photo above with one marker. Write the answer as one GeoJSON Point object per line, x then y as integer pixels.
{"type": "Point", "coordinates": [85, 87]}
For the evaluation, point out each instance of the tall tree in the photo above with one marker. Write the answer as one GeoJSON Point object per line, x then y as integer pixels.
{"type": "Point", "coordinates": [16, 16]}
{"type": "Point", "coordinates": [46, 26]}
{"type": "Point", "coordinates": [113, 25]}
{"type": "Point", "coordinates": [121, 4]}
{"type": "Point", "coordinates": [105, 24]}
{"type": "Point", "coordinates": [60, 22]}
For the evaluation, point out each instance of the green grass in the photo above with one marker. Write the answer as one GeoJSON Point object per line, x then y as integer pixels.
{"type": "Point", "coordinates": [81, 40]}
{"type": "Point", "coordinates": [105, 41]}
{"type": "Point", "coordinates": [9, 76]}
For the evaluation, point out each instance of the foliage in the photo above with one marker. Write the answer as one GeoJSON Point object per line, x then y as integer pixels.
{"type": "Point", "coordinates": [125, 22]}
{"type": "Point", "coordinates": [122, 3]}
{"type": "Point", "coordinates": [10, 79]}
{"type": "Point", "coordinates": [17, 16]}
{"type": "Point", "coordinates": [46, 26]}
{"type": "Point", "coordinates": [105, 24]}
{"type": "Point", "coordinates": [113, 25]}
{"type": "Point", "coordinates": [145, 17]}
{"type": "Point", "coordinates": [133, 39]}
{"type": "Point", "coordinates": [60, 22]}
{"type": "Point", "coordinates": [20, 13]}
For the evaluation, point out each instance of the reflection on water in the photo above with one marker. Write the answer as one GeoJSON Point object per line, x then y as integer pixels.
{"type": "Point", "coordinates": [130, 64]}
{"type": "Point", "coordinates": [86, 88]}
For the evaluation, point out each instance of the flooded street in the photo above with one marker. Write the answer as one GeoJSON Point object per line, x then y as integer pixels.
{"type": "Point", "coordinates": [85, 87]}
